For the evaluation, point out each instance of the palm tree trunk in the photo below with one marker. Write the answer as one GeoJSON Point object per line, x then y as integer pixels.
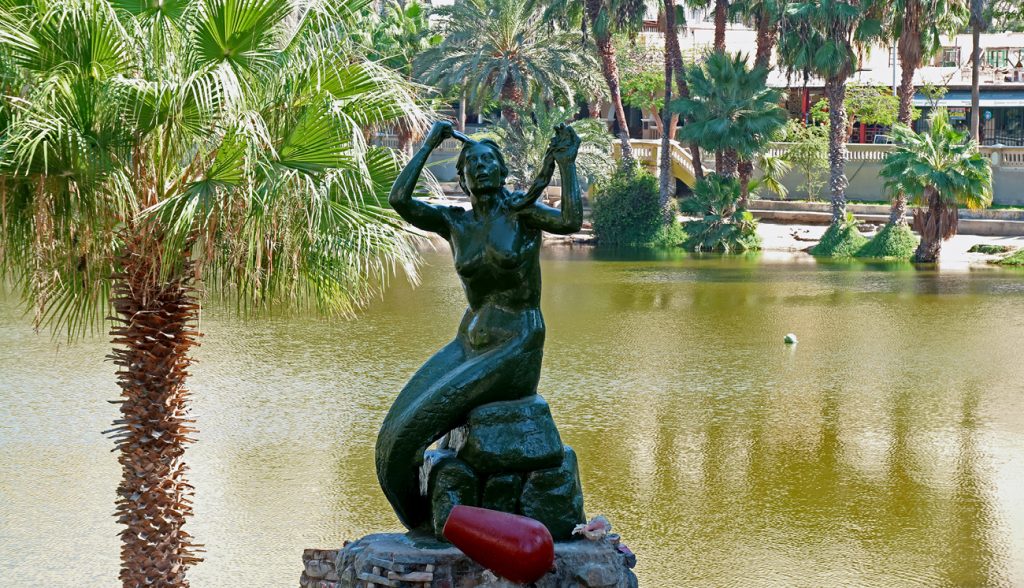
{"type": "Point", "coordinates": [726, 163]}
{"type": "Point", "coordinates": [909, 47]}
{"type": "Point", "coordinates": [721, 16]}
{"type": "Point", "coordinates": [153, 336]}
{"type": "Point", "coordinates": [511, 97]}
{"type": "Point", "coordinates": [461, 122]}
{"type": "Point", "coordinates": [610, 69]}
{"type": "Point", "coordinates": [835, 92]}
{"type": "Point", "coordinates": [767, 33]}
{"type": "Point", "coordinates": [666, 186]}
{"type": "Point", "coordinates": [746, 171]}
{"type": "Point", "coordinates": [405, 138]}
{"type": "Point", "coordinates": [936, 224]}
{"type": "Point", "coordinates": [976, 8]}
{"type": "Point", "coordinates": [683, 91]}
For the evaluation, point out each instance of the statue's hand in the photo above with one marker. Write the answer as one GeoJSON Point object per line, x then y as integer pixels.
{"type": "Point", "coordinates": [565, 145]}
{"type": "Point", "coordinates": [441, 130]}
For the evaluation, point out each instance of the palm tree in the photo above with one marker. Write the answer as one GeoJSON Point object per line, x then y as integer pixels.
{"type": "Point", "coordinates": [765, 17]}
{"type": "Point", "coordinates": [939, 169]}
{"type": "Point", "coordinates": [399, 33]}
{"type": "Point", "coordinates": [675, 54]}
{"type": "Point", "coordinates": [731, 111]}
{"type": "Point", "coordinates": [721, 19]}
{"type": "Point", "coordinates": [604, 18]}
{"type": "Point", "coordinates": [151, 146]}
{"type": "Point", "coordinates": [918, 28]}
{"type": "Point", "coordinates": [977, 25]}
{"type": "Point", "coordinates": [503, 50]}
{"type": "Point", "coordinates": [822, 38]}
{"type": "Point", "coordinates": [666, 187]}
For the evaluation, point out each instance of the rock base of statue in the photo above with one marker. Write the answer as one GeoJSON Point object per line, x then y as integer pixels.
{"type": "Point", "coordinates": [508, 457]}
{"type": "Point", "coordinates": [404, 561]}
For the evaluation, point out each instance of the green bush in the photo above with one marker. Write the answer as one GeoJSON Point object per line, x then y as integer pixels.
{"type": "Point", "coordinates": [892, 242]}
{"type": "Point", "coordinates": [723, 227]}
{"type": "Point", "coordinates": [1016, 259]}
{"type": "Point", "coordinates": [626, 212]}
{"type": "Point", "coordinates": [840, 240]}
{"type": "Point", "coordinates": [989, 249]}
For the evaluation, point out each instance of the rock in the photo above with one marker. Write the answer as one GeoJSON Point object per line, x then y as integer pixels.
{"type": "Point", "coordinates": [517, 435]}
{"type": "Point", "coordinates": [554, 497]}
{"type": "Point", "coordinates": [594, 575]}
{"type": "Point", "coordinates": [501, 492]}
{"type": "Point", "coordinates": [452, 482]}
{"type": "Point", "coordinates": [590, 564]}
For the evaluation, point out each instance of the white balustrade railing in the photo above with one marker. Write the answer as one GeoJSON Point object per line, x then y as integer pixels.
{"type": "Point", "coordinates": [648, 151]}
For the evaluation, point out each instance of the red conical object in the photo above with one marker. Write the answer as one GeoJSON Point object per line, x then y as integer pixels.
{"type": "Point", "coordinates": [515, 547]}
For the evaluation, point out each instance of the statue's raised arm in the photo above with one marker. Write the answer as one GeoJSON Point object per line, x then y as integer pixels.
{"type": "Point", "coordinates": [563, 149]}
{"type": "Point", "coordinates": [418, 213]}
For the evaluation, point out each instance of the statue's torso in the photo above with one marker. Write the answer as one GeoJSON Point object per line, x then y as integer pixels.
{"type": "Point", "coordinates": [498, 261]}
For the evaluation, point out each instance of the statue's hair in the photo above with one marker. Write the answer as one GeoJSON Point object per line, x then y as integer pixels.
{"type": "Point", "coordinates": [460, 163]}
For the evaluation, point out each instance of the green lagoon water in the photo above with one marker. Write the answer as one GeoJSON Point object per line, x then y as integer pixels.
{"type": "Point", "coordinates": [886, 449]}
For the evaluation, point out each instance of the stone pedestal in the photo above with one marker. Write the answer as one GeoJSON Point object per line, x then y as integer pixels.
{"type": "Point", "coordinates": [398, 561]}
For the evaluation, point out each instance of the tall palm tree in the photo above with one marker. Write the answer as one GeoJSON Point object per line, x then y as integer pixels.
{"type": "Point", "coordinates": [918, 26]}
{"type": "Point", "coordinates": [503, 50]}
{"type": "Point", "coordinates": [942, 170]}
{"type": "Point", "coordinates": [675, 54]}
{"type": "Point", "coordinates": [150, 147]}
{"type": "Point", "coordinates": [977, 25]}
{"type": "Point", "coordinates": [822, 37]}
{"type": "Point", "coordinates": [603, 19]}
{"type": "Point", "coordinates": [765, 17]}
{"type": "Point", "coordinates": [731, 109]}
{"type": "Point", "coordinates": [666, 187]}
{"type": "Point", "coordinates": [721, 20]}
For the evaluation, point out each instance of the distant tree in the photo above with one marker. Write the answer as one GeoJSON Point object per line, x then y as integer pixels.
{"type": "Point", "coordinates": [397, 34]}
{"type": "Point", "coordinates": [822, 37]}
{"type": "Point", "coordinates": [868, 105]}
{"type": "Point", "coordinates": [604, 19]}
{"type": "Point", "coordinates": [918, 26]}
{"type": "Point", "coordinates": [808, 153]}
{"type": "Point", "coordinates": [941, 171]}
{"type": "Point", "coordinates": [1004, 15]}
{"type": "Point", "coordinates": [732, 111]}
{"type": "Point", "coordinates": [505, 51]}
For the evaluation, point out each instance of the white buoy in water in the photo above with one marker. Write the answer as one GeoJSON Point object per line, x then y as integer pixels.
{"type": "Point", "coordinates": [790, 339]}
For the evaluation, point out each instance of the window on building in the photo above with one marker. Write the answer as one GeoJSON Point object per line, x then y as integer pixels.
{"type": "Point", "coordinates": [950, 57]}
{"type": "Point", "coordinates": [997, 57]}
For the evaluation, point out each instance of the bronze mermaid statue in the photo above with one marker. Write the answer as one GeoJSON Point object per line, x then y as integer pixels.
{"type": "Point", "coordinates": [496, 354]}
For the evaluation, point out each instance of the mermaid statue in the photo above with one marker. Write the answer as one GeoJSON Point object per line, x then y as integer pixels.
{"type": "Point", "coordinates": [496, 444]}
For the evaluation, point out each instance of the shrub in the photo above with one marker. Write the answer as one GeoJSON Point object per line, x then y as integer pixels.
{"type": "Point", "coordinates": [840, 240]}
{"type": "Point", "coordinates": [626, 212]}
{"type": "Point", "coordinates": [892, 242]}
{"type": "Point", "coordinates": [1015, 259]}
{"type": "Point", "coordinates": [724, 227]}
{"type": "Point", "coordinates": [989, 249]}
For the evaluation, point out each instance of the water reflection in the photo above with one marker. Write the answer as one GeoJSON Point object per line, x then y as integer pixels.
{"type": "Point", "coordinates": [886, 449]}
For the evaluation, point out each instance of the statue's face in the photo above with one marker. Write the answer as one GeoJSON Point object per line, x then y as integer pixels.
{"type": "Point", "coordinates": [482, 169]}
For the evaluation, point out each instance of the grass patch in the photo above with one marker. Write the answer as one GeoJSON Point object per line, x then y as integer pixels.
{"type": "Point", "coordinates": [989, 249]}
{"type": "Point", "coordinates": [892, 242]}
{"type": "Point", "coordinates": [840, 240]}
{"type": "Point", "coordinates": [1014, 259]}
